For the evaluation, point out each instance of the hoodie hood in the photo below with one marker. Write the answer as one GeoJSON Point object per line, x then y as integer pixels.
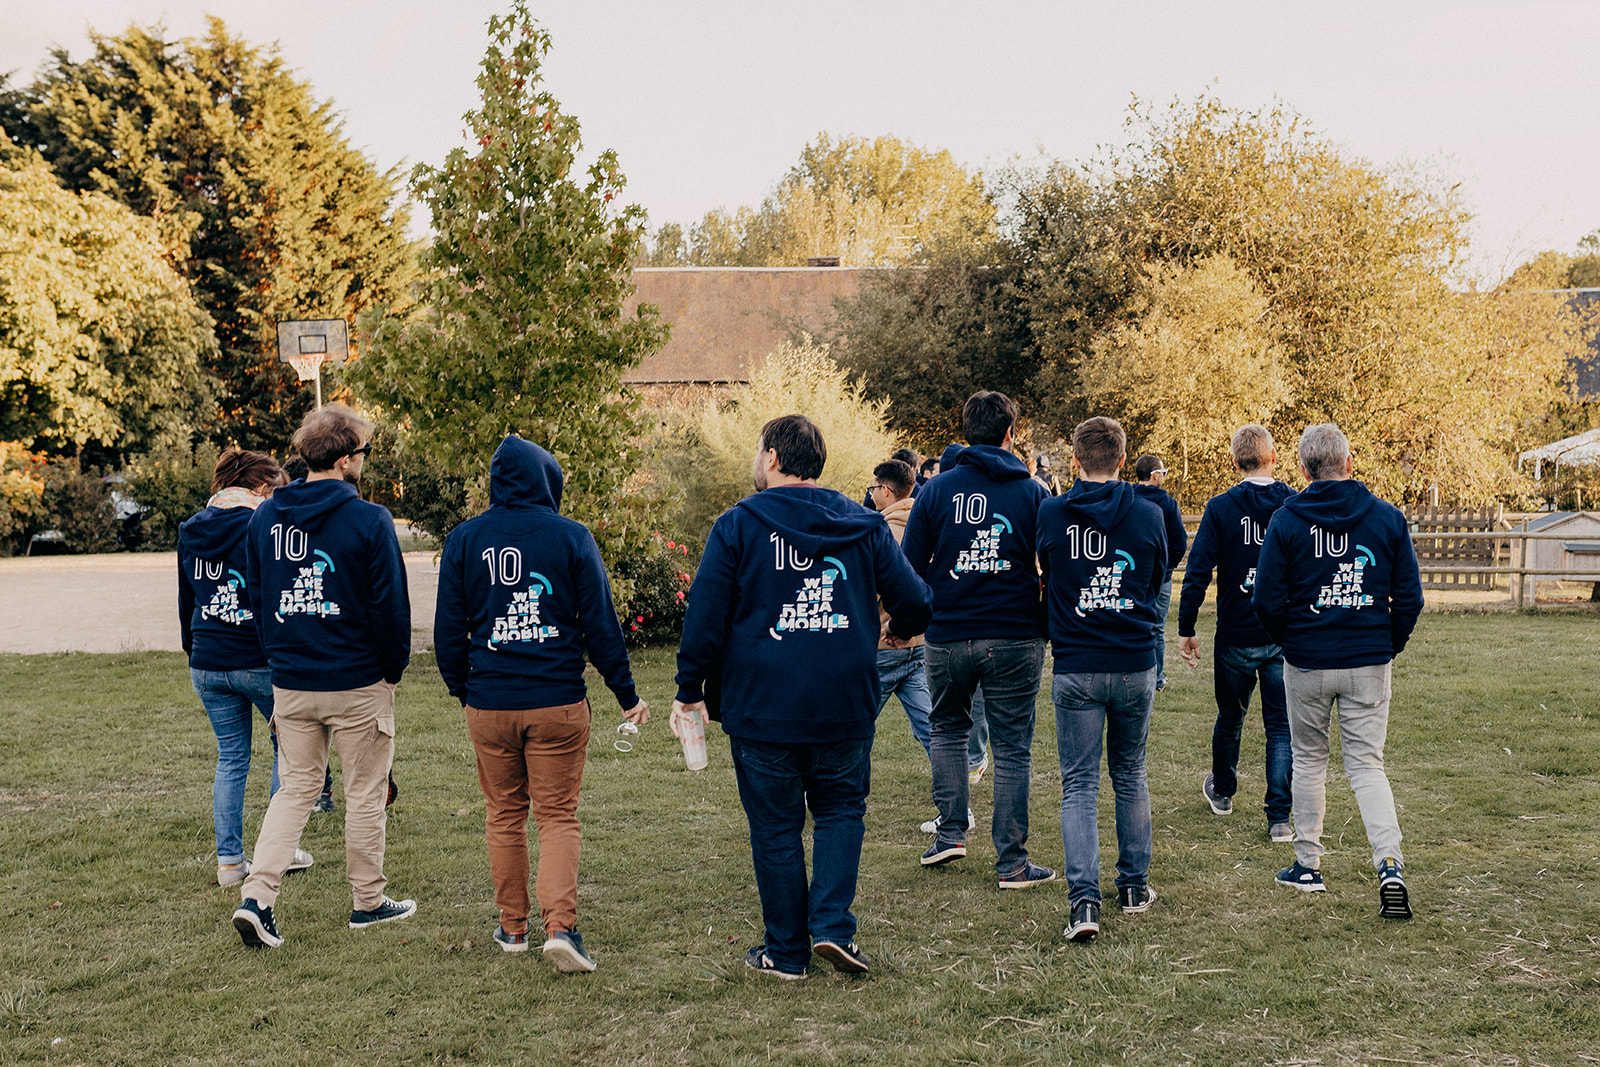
{"type": "Point", "coordinates": [1260, 501]}
{"type": "Point", "coordinates": [524, 475]}
{"type": "Point", "coordinates": [1103, 505]}
{"type": "Point", "coordinates": [1333, 505]}
{"type": "Point", "coordinates": [308, 504]}
{"type": "Point", "coordinates": [997, 463]}
{"type": "Point", "coordinates": [213, 533]}
{"type": "Point", "coordinates": [947, 458]}
{"type": "Point", "coordinates": [810, 518]}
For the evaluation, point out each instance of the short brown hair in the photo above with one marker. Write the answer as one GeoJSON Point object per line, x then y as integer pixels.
{"type": "Point", "coordinates": [248, 470]}
{"type": "Point", "coordinates": [987, 417]}
{"type": "Point", "coordinates": [329, 433]}
{"type": "Point", "coordinates": [897, 475]}
{"type": "Point", "coordinates": [1251, 446]}
{"type": "Point", "coordinates": [801, 450]}
{"type": "Point", "coordinates": [1099, 444]}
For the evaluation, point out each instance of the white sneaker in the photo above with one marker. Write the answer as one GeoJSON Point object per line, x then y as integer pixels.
{"type": "Point", "coordinates": [975, 774]}
{"type": "Point", "coordinates": [302, 860]}
{"type": "Point", "coordinates": [932, 825]}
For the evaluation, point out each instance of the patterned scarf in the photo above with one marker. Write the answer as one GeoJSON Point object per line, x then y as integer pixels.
{"type": "Point", "coordinates": [235, 496]}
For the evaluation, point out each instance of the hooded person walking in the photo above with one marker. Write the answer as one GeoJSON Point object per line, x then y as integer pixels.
{"type": "Point", "coordinates": [523, 599]}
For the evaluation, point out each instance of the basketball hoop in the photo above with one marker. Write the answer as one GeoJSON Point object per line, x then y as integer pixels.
{"type": "Point", "coordinates": [308, 367]}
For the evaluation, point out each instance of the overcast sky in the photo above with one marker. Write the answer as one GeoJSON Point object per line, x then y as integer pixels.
{"type": "Point", "coordinates": [708, 103]}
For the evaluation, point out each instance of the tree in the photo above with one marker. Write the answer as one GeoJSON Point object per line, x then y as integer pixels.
{"type": "Point", "coordinates": [101, 343]}
{"type": "Point", "coordinates": [707, 451]}
{"type": "Point", "coordinates": [521, 326]}
{"type": "Point", "coordinates": [881, 202]}
{"type": "Point", "coordinates": [262, 204]}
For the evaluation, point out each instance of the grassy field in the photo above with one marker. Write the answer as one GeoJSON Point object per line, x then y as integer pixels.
{"type": "Point", "coordinates": [115, 945]}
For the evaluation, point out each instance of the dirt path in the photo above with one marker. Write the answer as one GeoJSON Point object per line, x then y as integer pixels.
{"type": "Point", "coordinates": [129, 602]}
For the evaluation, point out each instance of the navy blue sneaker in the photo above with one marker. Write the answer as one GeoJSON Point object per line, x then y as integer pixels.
{"type": "Point", "coordinates": [1393, 901]}
{"type": "Point", "coordinates": [1305, 879]}
{"type": "Point", "coordinates": [1027, 876]}
{"type": "Point", "coordinates": [387, 911]}
{"type": "Point", "coordinates": [1136, 898]}
{"type": "Point", "coordinates": [255, 925]}
{"type": "Point", "coordinates": [845, 956]}
{"type": "Point", "coordinates": [564, 948]}
{"type": "Point", "coordinates": [1085, 921]}
{"type": "Point", "coordinates": [943, 852]}
{"type": "Point", "coordinates": [511, 942]}
{"type": "Point", "coordinates": [758, 960]}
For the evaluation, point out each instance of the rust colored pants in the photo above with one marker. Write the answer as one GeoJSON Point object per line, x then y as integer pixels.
{"type": "Point", "coordinates": [532, 760]}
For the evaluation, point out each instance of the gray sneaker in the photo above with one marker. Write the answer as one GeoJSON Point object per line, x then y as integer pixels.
{"type": "Point", "coordinates": [1280, 832]}
{"type": "Point", "coordinates": [564, 948]}
{"type": "Point", "coordinates": [1219, 805]}
{"type": "Point", "coordinates": [932, 825]}
{"type": "Point", "coordinates": [302, 860]}
{"type": "Point", "coordinates": [233, 873]}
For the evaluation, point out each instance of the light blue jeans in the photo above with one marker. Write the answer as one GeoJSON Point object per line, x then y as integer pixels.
{"type": "Point", "coordinates": [1119, 706]}
{"type": "Point", "coordinates": [228, 697]}
{"type": "Point", "coordinates": [901, 673]}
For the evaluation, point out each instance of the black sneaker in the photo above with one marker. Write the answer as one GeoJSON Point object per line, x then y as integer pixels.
{"type": "Point", "coordinates": [1028, 875]}
{"type": "Point", "coordinates": [1219, 805]}
{"type": "Point", "coordinates": [1393, 901]}
{"type": "Point", "coordinates": [758, 960]}
{"type": "Point", "coordinates": [943, 852]}
{"type": "Point", "coordinates": [511, 942]}
{"type": "Point", "coordinates": [394, 792]}
{"type": "Point", "coordinates": [845, 956]}
{"type": "Point", "coordinates": [1085, 921]}
{"type": "Point", "coordinates": [255, 925]}
{"type": "Point", "coordinates": [1136, 898]}
{"type": "Point", "coordinates": [324, 803]}
{"type": "Point", "coordinates": [564, 948]}
{"type": "Point", "coordinates": [1305, 879]}
{"type": "Point", "coordinates": [387, 911]}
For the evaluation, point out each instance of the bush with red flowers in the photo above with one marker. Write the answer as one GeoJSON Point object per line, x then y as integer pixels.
{"type": "Point", "coordinates": [661, 576]}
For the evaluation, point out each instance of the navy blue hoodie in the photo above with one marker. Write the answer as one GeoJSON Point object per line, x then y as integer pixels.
{"type": "Point", "coordinates": [1103, 551]}
{"type": "Point", "coordinates": [782, 625]}
{"type": "Point", "coordinates": [971, 536]}
{"type": "Point", "coordinates": [328, 588]}
{"type": "Point", "coordinates": [1337, 583]}
{"type": "Point", "coordinates": [219, 630]}
{"type": "Point", "coordinates": [1172, 517]}
{"type": "Point", "coordinates": [523, 595]}
{"type": "Point", "coordinates": [1229, 542]}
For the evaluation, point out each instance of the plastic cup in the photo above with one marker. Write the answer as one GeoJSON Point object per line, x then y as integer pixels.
{"type": "Point", "coordinates": [693, 728]}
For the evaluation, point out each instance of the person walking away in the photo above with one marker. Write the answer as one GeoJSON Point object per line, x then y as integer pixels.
{"type": "Point", "coordinates": [328, 590]}
{"type": "Point", "coordinates": [1229, 544]}
{"type": "Point", "coordinates": [1103, 551]}
{"type": "Point", "coordinates": [523, 598]}
{"type": "Point", "coordinates": [1151, 472]}
{"type": "Point", "coordinates": [1338, 587]}
{"type": "Point", "coordinates": [780, 644]}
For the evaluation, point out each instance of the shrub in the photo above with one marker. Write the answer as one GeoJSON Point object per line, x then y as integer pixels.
{"type": "Point", "coordinates": [78, 503]}
{"type": "Point", "coordinates": [171, 482]}
{"type": "Point", "coordinates": [21, 495]}
{"type": "Point", "coordinates": [415, 487]}
{"type": "Point", "coordinates": [658, 582]}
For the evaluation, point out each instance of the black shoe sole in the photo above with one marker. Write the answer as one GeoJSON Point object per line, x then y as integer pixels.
{"type": "Point", "coordinates": [840, 957]}
{"type": "Point", "coordinates": [1393, 901]}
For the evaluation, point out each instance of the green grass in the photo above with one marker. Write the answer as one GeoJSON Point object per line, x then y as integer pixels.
{"type": "Point", "coordinates": [115, 945]}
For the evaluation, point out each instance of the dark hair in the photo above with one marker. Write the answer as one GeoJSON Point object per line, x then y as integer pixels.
{"type": "Point", "coordinates": [296, 467]}
{"type": "Point", "coordinates": [1097, 445]}
{"type": "Point", "coordinates": [328, 434]}
{"type": "Point", "coordinates": [908, 456]}
{"type": "Point", "coordinates": [249, 470]}
{"type": "Point", "coordinates": [987, 417]}
{"type": "Point", "coordinates": [931, 461]}
{"type": "Point", "coordinates": [1147, 466]}
{"type": "Point", "coordinates": [801, 451]}
{"type": "Point", "coordinates": [897, 475]}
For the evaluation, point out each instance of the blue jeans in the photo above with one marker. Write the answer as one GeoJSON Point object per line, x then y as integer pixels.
{"type": "Point", "coordinates": [1008, 670]}
{"type": "Point", "coordinates": [777, 783]}
{"type": "Point", "coordinates": [1118, 704]}
{"type": "Point", "coordinates": [900, 673]}
{"type": "Point", "coordinates": [1163, 605]}
{"type": "Point", "coordinates": [978, 737]}
{"type": "Point", "coordinates": [227, 697]}
{"type": "Point", "coordinates": [1236, 671]}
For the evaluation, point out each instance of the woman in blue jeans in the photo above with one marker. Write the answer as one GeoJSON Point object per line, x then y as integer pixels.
{"type": "Point", "coordinates": [226, 663]}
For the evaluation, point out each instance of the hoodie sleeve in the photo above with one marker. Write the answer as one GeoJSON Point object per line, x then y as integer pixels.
{"type": "Point", "coordinates": [712, 598]}
{"type": "Point", "coordinates": [452, 630]}
{"type": "Point", "coordinates": [906, 598]}
{"type": "Point", "coordinates": [602, 633]}
{"type": "Point", "coordinates": [1270, 595]}
{"type": "Point", "coordinates": [391, 601]}
{"type": "Point", "coordinates": [185, 605]}
{"type": "Point", "coordinates": [253, 537]}
{"type": "Point", "coordinates": [1177, 536]}
{"type": "Point", "coordinates": [1197, 572]}
{"type": "Point", "coordinates": [917, 543]}
{"type": "Point", "coordinates": [1405, 595]}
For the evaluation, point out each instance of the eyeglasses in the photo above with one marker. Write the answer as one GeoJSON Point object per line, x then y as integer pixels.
{"type": "Point", "coordinates": [364, 450]}
{"type": "Point", "coordinates": [876, 485]}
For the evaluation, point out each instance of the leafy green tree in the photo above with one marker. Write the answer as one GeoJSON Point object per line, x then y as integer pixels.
{"type": "Point", "coordinates": [879, 202]}
{"type": "Point", "coordinates": [521, 326]}
{"type": "Point", "coordinates": [101, 343]}
{"type": "Point", "coordinates": [263, 205]}
{"type": "Point", "coordinates": [707, 450]}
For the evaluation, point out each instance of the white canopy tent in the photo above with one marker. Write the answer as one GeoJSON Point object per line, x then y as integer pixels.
{"type": "Point", "coordinates": [1582, 450]}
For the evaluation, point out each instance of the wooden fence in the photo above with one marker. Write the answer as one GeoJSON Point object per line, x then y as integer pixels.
{"type": "Point", "coordinates": [1452, 559]}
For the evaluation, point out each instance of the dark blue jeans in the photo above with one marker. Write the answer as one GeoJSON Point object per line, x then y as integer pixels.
{"type": "Point", "coordinates": [777, 783]}
{"type": "Point", "coordinates": [1008, 670]}
{"type": "Point", "coordinates": [1236, 672]}
{"type": "Point", "coordinates": [1119, 706]}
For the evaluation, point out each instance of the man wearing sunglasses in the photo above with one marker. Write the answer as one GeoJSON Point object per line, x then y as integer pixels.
{"type": "Point", "coordinates": [328, 589]}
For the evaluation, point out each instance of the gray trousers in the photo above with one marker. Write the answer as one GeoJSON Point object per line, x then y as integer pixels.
{"type": "Point", "coordinates": [1362, 694]}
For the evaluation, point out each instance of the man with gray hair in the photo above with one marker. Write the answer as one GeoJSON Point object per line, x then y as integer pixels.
{"type": "Point", "coordinates": [1229, 543]}
{"type": "Point", "coordinates": [1337, 586]}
